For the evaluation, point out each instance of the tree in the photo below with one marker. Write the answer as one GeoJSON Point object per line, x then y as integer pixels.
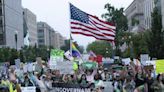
{"type": "Point", "coordinates": [156, 42]}
{"type": "Point", "coordinates": [117, 17]}
{"type": "Point", "coordinates": [8, 54]}
{"type": "Point", "coordinates": [139, 45]}
{"type": "Point", "coordinates": [66, 47]}
{"type": "Point", "coordinates": [100, 48]}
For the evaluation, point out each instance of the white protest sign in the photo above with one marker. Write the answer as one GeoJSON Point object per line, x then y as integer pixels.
{"type": "Point", "coordinates": [144, 58]}
{"type": "Point", "coordinates": [53, 62]}
{"type": "Point", "coordinates": [65, 67]}
{"type": "Point", "coordinates": [17, 63]}
{"type": "Point", "coordinates": [56, 56]}
{"type": "Point", "coordinates": [29, 67]}
{"type": "Point", "coordinates": [68, 56]}
{"type": "Point", "coordinates": [25, 68]}
{"type": "Point", "coordinates": [126, 61]}
{"type": "Point", "coordinates": [28, 89]}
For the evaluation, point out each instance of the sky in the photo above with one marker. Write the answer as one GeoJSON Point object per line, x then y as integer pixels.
{"type": "Point", "coordinates": [56, 13]}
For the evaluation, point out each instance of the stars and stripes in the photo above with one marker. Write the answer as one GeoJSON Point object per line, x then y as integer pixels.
{"type": "Point", "coordinates": [89, 25]}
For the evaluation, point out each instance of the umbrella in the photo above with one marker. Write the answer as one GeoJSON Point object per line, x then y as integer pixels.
{"type": "Point", "coordinates": [89, 65]}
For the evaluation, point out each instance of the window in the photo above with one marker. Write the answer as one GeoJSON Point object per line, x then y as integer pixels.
{"type": "Point", "coordinates": [1, 39]}
{"type": "Point", "coordinates": [0, 10]}
{"type": "Point", "coordinates": [1, 22]}
{"type": "Point", "coordinates": [41, 41]}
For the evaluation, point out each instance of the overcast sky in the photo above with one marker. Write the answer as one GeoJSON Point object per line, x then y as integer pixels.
{"type": "Point", "coordinates": [56, 13]}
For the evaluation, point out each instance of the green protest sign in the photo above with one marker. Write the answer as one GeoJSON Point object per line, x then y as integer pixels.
{"type": "Point", "coordinates": [56, 55]}
{"type": "Point", "coordinates": [56, 52]}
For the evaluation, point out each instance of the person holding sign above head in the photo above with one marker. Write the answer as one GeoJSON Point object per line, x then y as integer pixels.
{"type": "Point", "coordinates": [99, 84]}
{"type": "Point", "coordinates": [83, 81]}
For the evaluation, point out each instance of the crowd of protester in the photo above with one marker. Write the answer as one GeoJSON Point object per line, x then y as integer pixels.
{"type": "Point", "coordinates": [44, 79]}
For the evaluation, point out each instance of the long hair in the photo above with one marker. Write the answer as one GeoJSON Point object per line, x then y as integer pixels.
{"type": "Point", "coordinates": [82, 79]}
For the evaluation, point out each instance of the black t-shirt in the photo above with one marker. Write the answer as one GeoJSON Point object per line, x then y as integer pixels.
{"type": "Point", "coordinates": [139, 80]}
{"type": "Point", "coordinates": [149, 83]}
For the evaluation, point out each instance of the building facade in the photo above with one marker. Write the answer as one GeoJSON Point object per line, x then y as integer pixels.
{"type": "Point", "coordinates": [59, 40]}
{"type": "Point", "coordinates": [47, 36]}
{"type": "Point", "coordinates": [148, 9]}
{"type": "Point", "coordinates": [135, 16]}
{"type": "Point", "coordinates": [31, 22]}
{"type": "Point", "coordinates": [162, 12]}
{"type": "Point", "coordinates": [11, 24]}
{"type": "Point", "coordinates": [43, 30]}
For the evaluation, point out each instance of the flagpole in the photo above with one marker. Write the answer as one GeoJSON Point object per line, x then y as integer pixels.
{"type": "Point", "coordinates": [70, 29]}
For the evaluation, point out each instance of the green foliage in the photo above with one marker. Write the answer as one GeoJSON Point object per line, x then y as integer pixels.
{"type": "Point", "coordinates": [156, 41]}
{"type": "Point", "coordinates": [136, 44]}
{"type": "Point", "coordinates": [25, 54]}
{"type": "Point", "coordinates": [100, 48]}
{"type": "Point", "coordinates": [116, 16]}
{"type": "Point", "coordinates": [139, 44]}
{"type": "Point", "coordinates": [66, 47]}
{"type": "Point", "coordinates": [8, 54]}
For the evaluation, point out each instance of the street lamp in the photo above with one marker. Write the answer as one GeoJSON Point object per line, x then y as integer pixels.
{"type": "Point", "coordinates": [16, 38]}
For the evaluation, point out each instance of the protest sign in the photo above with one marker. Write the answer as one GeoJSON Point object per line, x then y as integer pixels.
{"type": "Point", "coordinates": [17, 63]}
{"type": "Point", "coordinates": [68, 56]}
{"type": "Point", "coordinates": [126, 61]}
{"type": "Point", "coordinates": [56, 55]}
{"type": "Point", "coordinates": [144, 58]}
{"type": "Point", "coordinates": [64, 87]}
{"type": "Point", "coordinates": [25, 68]}
{"type": "Point", "coordinates": [28, 89]}
{"type": "Point", "coordinates": [29, 67]}
{"type": "Point", "coordinates": [65, 67]}
{"type": "Point", "coordinates": [160, 66]}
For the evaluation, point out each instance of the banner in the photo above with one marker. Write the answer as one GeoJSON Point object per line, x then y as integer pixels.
{"type": "Point", "coordinates": [99, 59]}
{"type": "Point", "coordinates": [64, 87]}
{"type": "Point", "coordinates": [65, 67]}
{"type": "Point", "coordinates": [160, 66]}
{"type": "Point", "coordinates": [56, 55]}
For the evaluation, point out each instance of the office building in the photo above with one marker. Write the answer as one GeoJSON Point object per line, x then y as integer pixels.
{"type": "Point", "coordinates": [162, 12]}
{"type": "Point", "coordinates": [59, 40]}
{"type": "Point", "coordinates": [148, 9]}
{"type": "Point", "coordinates": [31, 24]}
{"type": "Point", "coordinates": [43, 30]}
{"type": "Point", "coordinates": [135, 16]}
{"type": "Point", "coordinates": [47, 36]}
{"type": "Point", "coordinates": [11, 24]}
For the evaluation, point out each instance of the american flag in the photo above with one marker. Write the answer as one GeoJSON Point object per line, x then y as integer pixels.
{"type": "Point", "coordinates": [89, 25]}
